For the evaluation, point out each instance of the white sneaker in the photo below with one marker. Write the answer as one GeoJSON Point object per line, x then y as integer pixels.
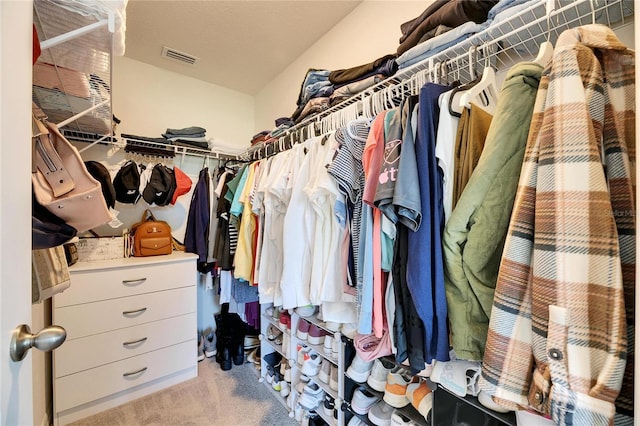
{"type": "Point", "coordinates": [380, 414]}
{"type": "Point", "coordinates": [350, 330]}
{"type": "Point", "coordinates": [335, 348]}
{"type": "Point", "coordinates": [311, 364]}
{"type": "Point", "coordinates": [378, 377]}
{"type": "Point", "coordinates": [333, 378]}
{"type": "Point", "coordinates": [328, 341]}
{"type": "Point", "coordinates": [325, 372]}
{"type": "Point", "coordinates": [398, 418]}
{"type": "Point", "coordinates": [285, 389]}
{"type": "Point", "coordinates": [359, 369]}
{"type": "Point", "coordinates": [363, 400]}
{"type": "Point", "coordinates": [306, 311]}
{"type": "Point", "coordinates": [312, 396]}
{"type": "Point", "coordinates": [210, 345]}
{"type": "Point", "coordinates": [395, 391]}
{"type": "Point", "coordinates": [302, 350]}
{"type": "Point", "coordinates": [355, 421]}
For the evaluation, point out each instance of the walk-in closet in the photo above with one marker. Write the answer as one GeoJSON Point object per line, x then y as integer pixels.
{"type": "Point", "coordinates": [318, 213]}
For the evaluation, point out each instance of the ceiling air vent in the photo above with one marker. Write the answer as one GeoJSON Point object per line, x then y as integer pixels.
{"type": "Point", "coordinates": [176, 55]}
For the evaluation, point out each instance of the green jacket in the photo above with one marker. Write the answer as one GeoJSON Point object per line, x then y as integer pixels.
{"type": "Point", "coordinates": [474, 235]}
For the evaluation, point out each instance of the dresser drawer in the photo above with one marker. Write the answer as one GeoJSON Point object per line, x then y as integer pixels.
{"type": "Point", "coordinates": [99, 317]}
{"type": "Point", "coordinates": [99, 349]}
{"type": "Point", "coordinates": [90, 385]}
{"type": "Point", "coordinates": [100, 284]}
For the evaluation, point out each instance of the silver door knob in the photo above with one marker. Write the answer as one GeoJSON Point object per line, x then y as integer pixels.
{"type": "Point", "coordinates": [46, 340]}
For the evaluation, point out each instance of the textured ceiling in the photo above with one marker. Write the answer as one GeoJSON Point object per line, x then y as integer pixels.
{"type": "Point", "coordinates": [241, 45]}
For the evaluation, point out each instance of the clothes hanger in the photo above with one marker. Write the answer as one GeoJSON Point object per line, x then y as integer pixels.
{"type": "Point", "coordinates": [454, 108]}
{"type": "Point", "coordinates": [546, 48]}
{"type": "Point", "coordinates": [485, 93]}
{"type": "Point", "coordinates": [544, 54]}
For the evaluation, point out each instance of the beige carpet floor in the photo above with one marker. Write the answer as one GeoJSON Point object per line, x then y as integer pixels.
{"type": "Point", "coordinates": [215, 397]}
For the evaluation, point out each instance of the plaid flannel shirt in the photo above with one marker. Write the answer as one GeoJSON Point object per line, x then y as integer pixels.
{"type": "Point", "coordinates": [557, 340]}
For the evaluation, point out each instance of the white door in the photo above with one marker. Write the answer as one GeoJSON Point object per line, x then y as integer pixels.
{"type": "Point", "coordinates": [15, 205]}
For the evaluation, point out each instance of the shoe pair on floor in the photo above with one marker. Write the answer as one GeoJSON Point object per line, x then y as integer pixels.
{"type": "Point", "coordinates": [206, 345]}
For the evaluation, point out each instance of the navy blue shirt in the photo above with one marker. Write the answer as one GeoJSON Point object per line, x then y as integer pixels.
{"type": "Point", "coordinates": [196, 236]}
{"type": "Point", "coordinates": [425, 270]}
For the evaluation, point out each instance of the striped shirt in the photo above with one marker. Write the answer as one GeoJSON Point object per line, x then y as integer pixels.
{"type": "Point", "coordinates": [557, 340]}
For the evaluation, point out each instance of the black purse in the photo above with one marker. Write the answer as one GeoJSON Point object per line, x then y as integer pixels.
{"type": "Point", "coordinates": [47, 229]}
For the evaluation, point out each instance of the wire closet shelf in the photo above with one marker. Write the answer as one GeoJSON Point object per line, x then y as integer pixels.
{"type": "Point", "coordinates": [500, 46]}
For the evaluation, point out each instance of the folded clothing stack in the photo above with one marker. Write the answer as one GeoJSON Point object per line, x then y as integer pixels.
{"type": "Point", "coordinates": [193, 136]}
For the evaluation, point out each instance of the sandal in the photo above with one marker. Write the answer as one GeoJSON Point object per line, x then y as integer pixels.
{"type": "Point", "coordinates": [274, 333]}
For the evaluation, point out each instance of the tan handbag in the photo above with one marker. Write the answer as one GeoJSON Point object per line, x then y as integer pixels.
{"type": "Point", "coordinates": [151, 237]}
{"type": "Point", "coordinates": [61, 182]}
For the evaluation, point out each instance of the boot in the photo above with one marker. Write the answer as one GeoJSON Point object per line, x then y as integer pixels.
{"type": "Point", "coordinates": [223, 355]}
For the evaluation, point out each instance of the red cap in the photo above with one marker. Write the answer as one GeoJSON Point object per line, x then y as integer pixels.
{"type": "Point", "coordinates": [183, 184]}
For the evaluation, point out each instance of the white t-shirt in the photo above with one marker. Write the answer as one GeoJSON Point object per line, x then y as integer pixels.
{"type": "Point", "coordinates": [445, 147]}
{"type": "Point", "coordinates": [268, 286]}
{"type": "Point", "coordinates": [298, 229]}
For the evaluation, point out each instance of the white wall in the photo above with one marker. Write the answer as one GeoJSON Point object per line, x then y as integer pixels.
{"type": "Point", "coordinates": [369, 32]}
{"type": "Point", "coordinates": [149, 100]}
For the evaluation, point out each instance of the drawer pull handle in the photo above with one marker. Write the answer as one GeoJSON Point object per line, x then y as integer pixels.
{"type": "Point", "coordinates": [132, 373]}
{"type": "Point", "coordinates": [135, 311]}
{"type": "Point", "coordinates": [134, 342]}
{"type": "Point", "coordinates": [133, 282]}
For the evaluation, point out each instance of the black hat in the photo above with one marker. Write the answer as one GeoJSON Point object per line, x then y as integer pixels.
{"type": "Point", "coordinates": [126, 183]}
{"type": "Point", "coordinates": [101, 174]}
{"type": "Point", "coordinates": [160, 187]}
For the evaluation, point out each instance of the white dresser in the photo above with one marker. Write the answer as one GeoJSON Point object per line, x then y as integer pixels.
{"type": "Point", "coordinates": [131, 330]}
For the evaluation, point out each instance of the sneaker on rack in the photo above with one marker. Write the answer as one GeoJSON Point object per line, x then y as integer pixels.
{"type": "Point", "coordinates": [273, 332]}
{"type": "Point", "coordinates": [359, 369]}
{"type": "Point", "coordinates": [333, 378]}
{"type": "Point", "coordinates": [328, 340]}
{"type": "Point", "coordinates": [328, 405]}
{"type": "Point", "coordinates": [380, 414]}
{"type": "Point", "coordinates": [396, 388]}
{"type": "Point", "coordinates": [312, 396]}
{"type": "Point", "coordinates": [306, 311]}
{"type": "Point", "coordinates": [210, 345]}
{"type": "Point", "coordinates": [485, 399]}
{"type": "Point", "coordinates": [325, 372]}
{"type": "Point", "coordinates": [356, 421]}
{"type": "Point", "coordinates": [303, 329]}
{"type": "Point", "coordinates": [274, 312]}
{"type": "Point", "coordinates": [398, 418]}
{"type": "Point", "coordinates": [333, 326]}
{"type": "Point", "coordinates": [285, 388]}
{"type": "Point", "coordinates": [284, 318]}
{"type": "Point", "coordinates": [287, 372]}
{"type": "Point", "coordinates": [311, 364]}
{"type": "Point", "coordinates": [299, 388]}
{"type": "Point", "coordinates": [286, 339]}
{"type": "Point", "coordinates": [316, 335]}
{"type": "Point", "coordinates": [350, 330]}
{"type": "Point", "coordinates": [378, 377]}
{"type": "Point", "coordinates": [302, 349]}
{"type": "Point", "coordinates": [335, 347]}
{"type": "Point", "coordinates": [275, 383]}
{"type": "Point", "coordinates": [251, 342]}
{"type": "Point", "coordinates": [363, 400]}
{"type": "Point", "coordinates": [420, 396]}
